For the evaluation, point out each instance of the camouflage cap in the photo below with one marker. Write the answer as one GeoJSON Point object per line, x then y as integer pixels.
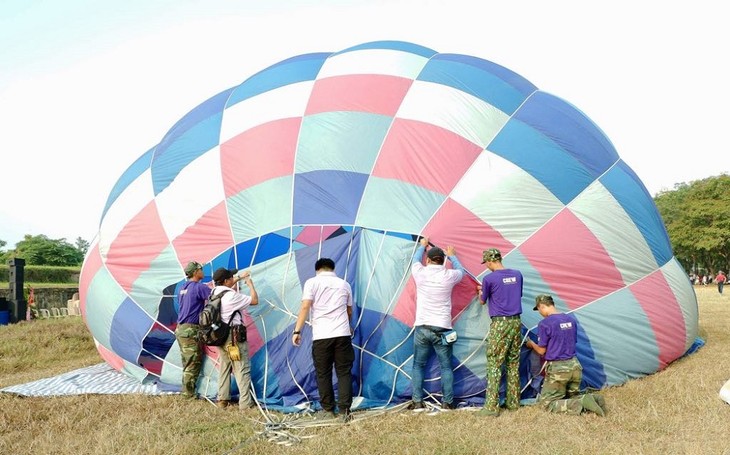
{"type": "Point", "coordinates": [192, 267]}
{"type": "Point", "coordinates": [544, 299]}
{"type": "Point", "coordinates": [491, 255]}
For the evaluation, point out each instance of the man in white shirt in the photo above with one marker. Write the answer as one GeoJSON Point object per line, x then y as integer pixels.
{"type": "Point", "coordinates": [434, 283]}
{"type": "Point", "coordinates": [330, 300]}
{"type": "Point", "coordinates": [233, 304]}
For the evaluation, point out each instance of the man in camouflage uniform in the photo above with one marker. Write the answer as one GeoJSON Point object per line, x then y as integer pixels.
{"type": "Point", "coordinates": [503, 290]}
{"type": "Point", "coordinates": [558, 335]}
{"type": "Point", "coordinates": [191, 298]}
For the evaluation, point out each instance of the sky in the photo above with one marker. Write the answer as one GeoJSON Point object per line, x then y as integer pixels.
{"type": "Point", "coordinates": [87, 86]}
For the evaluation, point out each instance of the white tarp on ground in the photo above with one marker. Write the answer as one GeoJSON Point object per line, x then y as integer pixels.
{"type": "Point", "coordinates": [98, 379]}
{"type": "Point", "coordinates": [725, 392]}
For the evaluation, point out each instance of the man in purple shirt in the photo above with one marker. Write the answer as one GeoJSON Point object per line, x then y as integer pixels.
{"type": "Point", "coordinates": [558, 336]}
{"type": "Point", "coordinates": [502, 290]}
{"type": "Point", "coordinates": [191, 299]}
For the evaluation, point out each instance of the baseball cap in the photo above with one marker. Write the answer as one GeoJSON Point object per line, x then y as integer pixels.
{"type": "Point", "coordinates": [223, 273]}
{"type": "Point", "coordinates": [491, 255]}
{"type": "Point", "coordinates": [435, 252]}
{"type": "Point", "coordinates": [192, 267]}
{"type": "Point", "coordinates": [544, 299]}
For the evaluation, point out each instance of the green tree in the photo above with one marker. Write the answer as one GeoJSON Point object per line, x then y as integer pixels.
{"type": "Point", "coordinates": [4, 255]}
{"type": "Point", "coordinates": [697, 217]}
{"type": "Point", "coordinates": [40, 250]}
{"type": "Point", "coordinates": [82, 245]}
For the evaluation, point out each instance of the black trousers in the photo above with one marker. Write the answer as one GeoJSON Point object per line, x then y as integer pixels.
{"type": "Point", "coordinates": [340, 353]}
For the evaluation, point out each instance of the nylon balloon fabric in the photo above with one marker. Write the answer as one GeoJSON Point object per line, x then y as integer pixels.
{"type": "Point", "coordinates": [352, 155]}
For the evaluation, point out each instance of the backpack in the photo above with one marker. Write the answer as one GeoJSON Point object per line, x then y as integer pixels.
{"type": "Point", "coordinates": [213, 331]}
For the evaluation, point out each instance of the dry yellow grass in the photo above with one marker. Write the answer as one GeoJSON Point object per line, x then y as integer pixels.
{"type": "Point", "coordinates": [676, 411]}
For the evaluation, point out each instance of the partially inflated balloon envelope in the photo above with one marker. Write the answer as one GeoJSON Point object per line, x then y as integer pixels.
{"type": "Point", "coordinates": [352, 155]}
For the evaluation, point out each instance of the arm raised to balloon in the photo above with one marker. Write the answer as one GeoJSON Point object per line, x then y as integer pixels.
{"type": "Point", "coordinates": [254, 294]}
{"type": "Point", "coordinates": [418, 254]}
{"type": "Point", "coordinates": [451, 254]}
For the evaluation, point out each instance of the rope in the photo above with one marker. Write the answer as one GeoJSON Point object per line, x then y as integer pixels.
{"type": "Point", "coordinates": [287, 429]}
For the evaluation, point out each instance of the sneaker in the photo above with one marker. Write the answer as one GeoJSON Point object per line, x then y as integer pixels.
{"type": "Point", "coordinates": [447, 406]}
{"type": "Point", "coordinates": [246, 406]}
{"type": "Point", "coordinates": [222, 403]}
{"type": "Point", "coordinates": [416, 406]}
{"type": "Point", "coordinates": [589, 404]}
{"type": "Point", "coordinates": [484, 412]}
{"type": "Point", "coordinates": [345, 417]}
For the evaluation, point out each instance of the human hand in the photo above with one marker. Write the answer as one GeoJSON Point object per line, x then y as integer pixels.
{"type": "Point", "coordinates": [450, 251]}
{"type": "Point", "coordinates": [296, 339]}
{"type": "Point", "coordinates": [479, 295]}
{"type": "Point", "coordinates": [424, 241]}
{"type": "Point", "coordinates": [245, 277]}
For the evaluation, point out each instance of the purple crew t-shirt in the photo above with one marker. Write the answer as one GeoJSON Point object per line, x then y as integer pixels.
{"type": "Point", "coordinates": [502, 290]}
{"type": "Point", "coordinates": [192, 297]}
{"type": "Point", "coordinates": [559, 334]}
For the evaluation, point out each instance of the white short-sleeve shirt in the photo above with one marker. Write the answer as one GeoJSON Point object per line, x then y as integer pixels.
{"type": "Point", "coordinates": [433, 293]}
{"type": "Point", "coordinates": [232, 302]}
{"type": "Point", "coordinates": [330, 296]}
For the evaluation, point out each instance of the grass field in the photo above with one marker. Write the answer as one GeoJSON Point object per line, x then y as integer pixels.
{"type": "Point", "coordinates": [676, 411]}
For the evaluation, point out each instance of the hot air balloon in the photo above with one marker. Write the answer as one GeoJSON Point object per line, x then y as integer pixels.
{"type": "Point", "coordinates": [353, 155]}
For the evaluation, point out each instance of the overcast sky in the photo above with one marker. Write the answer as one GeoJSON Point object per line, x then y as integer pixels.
{"type": "Point", "coordinates": [87, 86]}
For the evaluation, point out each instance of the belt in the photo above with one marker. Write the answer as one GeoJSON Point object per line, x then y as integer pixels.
{"type": "Point", "coordinates": [514, 316]}
{"type": "Point", "coordinates": [434, 328]}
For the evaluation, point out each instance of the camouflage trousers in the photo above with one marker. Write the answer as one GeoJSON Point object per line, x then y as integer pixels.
{"type": "Point", "coordinates": [561, 387]}
{"type": "Point", "coordinates": [503, 347]}
{"type": "Point", "coordinates": [192, 356]}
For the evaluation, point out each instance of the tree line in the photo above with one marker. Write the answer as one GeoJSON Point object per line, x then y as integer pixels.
{"type": "Point", "coordinates": [697, 218]}
{"type": "Point", "coordinates": [696, 215]}
{"type": "Point", "coordinates": [41, 250]}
